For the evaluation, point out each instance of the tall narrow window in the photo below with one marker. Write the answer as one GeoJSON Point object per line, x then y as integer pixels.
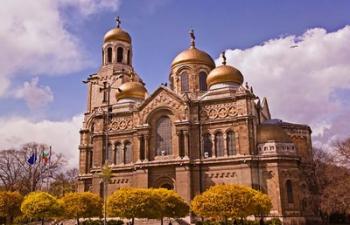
{"type": "Point", "coordinates": [142, 147]}
{"type": "Point", "coordinates": [119, 154]}
{"type": "Point", "coordinates": [128, 153]}
{"type": "Point", "coordinates": [231, 144]}
{"type": "Point", "coordinates": [181, 144]}
{"type": "Point", "coordinates": [119, 54]}
{"type": "Point", "coordinates": [203, 81]}
{"type": "Point", "coordinates": [207, 146]}
{"type": "Point", "coordinates": [102, 189]}
{"type": "Point", "coordinates": [109, 55]}
{"type": "Point", "coordinates": [91, 157]}
{"type": "Point", "coordinates": [110, 153]}
{"type": "Point", "coordinates": [129, 58]}
{"type": "Point", "coordinates": [289, 189]}
{"type": "Point", "coordinates": [219, 144]}
{"type": "Point", "coordinates": [184, 82]}
{"type": "Point", "coordinates": [163, 136]}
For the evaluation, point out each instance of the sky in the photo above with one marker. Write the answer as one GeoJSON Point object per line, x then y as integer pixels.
{"type": "Point", "coordinates": [47, 47]}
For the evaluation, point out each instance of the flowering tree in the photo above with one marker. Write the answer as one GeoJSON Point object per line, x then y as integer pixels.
{"type": "Point", "coordinates": [41, 205]}
{"type": "Point", "coordinates": [10, 203]}
{"type": "Point", "coordinates": [222, 202]}
{"type": "Point", "coordinates": [169, 204]}
{"type": "Point", "coordinates": [81, 205]}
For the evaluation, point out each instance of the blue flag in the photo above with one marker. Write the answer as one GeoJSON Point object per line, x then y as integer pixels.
{"type": "Point", "coordinates": [32, 159]}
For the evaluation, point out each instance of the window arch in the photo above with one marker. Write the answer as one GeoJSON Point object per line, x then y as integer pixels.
{"type": "Point", "coordinates": [207, 145]}
{"type": "Point", "coordinates": [128, 153]}
{"type": "Point", "coordinates": [289, 188]}
{"type": "Point", "coordinates": [119, 54]}
{"type": "Point", "coordinates": [219, 144]}
{"type": "Point", "coordinates": [119, 153]}
{"type": "Point", "coordinates": [203, 81]}
{"type": "Point", "coordinates": [181, 144]}
{"type": "Point", "coordinates": [142, 147]}
{"type": "Point", "coordinates": [231, 144]}
{"type": "Point", "coordinates": [184, 81]}
{"type": "Point", "coordinates": [109, 55]}
{"type": "Point", "coordinates": [163, 136]}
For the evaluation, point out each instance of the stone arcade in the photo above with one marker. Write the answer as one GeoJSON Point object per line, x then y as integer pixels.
{"type": "Point", "coordinates": [202, 129]}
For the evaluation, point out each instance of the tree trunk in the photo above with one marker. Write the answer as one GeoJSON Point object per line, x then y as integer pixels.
{"type": "Point", "coordinates": [78, 222]}
{"type": "Point", "coordinates": [161, 221]}
{"type": "Point", "coordinates": [42, 221]}
{"type": "Point", "coordinates": [133, 220]}
{"type": "Point", "coordinates": [225, 220]}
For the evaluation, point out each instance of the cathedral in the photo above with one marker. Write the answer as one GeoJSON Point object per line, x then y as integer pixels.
{"type": "Point", "coordinates": [205, 126]}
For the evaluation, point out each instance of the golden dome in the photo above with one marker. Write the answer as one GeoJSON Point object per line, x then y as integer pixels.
{"type": "Point", "coordinates": [223, 74]}
{"type": "Point", "coordinates": [117, 34]}
{"type": "Point", "coordinates": [272, 132]}
{"type": "Point", "coordinates": [193, 55]}
{"type": "Point", "coordinates": [131, 89]}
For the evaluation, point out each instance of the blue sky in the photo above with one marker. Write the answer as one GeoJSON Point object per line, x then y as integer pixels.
{"type": "Point", "coordinates": [159, 29]}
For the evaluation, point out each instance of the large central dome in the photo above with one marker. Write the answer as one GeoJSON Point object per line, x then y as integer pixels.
{"type": "Point", "coordinates": [193, 55]}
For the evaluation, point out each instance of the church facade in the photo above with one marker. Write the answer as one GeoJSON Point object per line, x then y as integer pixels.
{"type": "Point", "coordinates": [206, 127]}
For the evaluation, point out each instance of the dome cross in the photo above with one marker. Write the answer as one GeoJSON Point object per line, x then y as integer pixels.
{"type": "Point", "coordinates": [193, 38]}
{"type": "Point", "coordinates": [223, 58]}
{"type": "Point", "coordinates": [118, 22]}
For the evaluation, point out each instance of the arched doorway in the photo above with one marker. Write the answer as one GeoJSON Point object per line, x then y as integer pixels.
{"type": "Point", "coordinates": [167, 186]}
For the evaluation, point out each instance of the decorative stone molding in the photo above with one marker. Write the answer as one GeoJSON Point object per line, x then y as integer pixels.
{"type": "Point", "coordinates": [121, 123]}
{"type": "Point", "coordinates": [215, 111]}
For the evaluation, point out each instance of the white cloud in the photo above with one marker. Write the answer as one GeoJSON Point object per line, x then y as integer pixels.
{"type": "Point", "coordinates": [34, 95]}
{"type": "Point", "coordinates": [88, 7]}
{"type": "Point", "coordinates": [63, 136]}
{"type": "Point", "coordinates": [301, 82]}
{"type": "Point", "coordinates": [34, 39]}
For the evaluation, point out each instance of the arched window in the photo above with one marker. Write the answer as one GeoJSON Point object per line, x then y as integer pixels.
{"type": "Point", "coordinates": [184, 82]}
{"type": "Point", "coordinates": [231, 144]}
{"type": "Point", "coordinates": [219, 144]}
{"type": "Point", "coordinates": [128, 153]}
{"type": "Point", "coordinates": [119, 54]}
{"type": "Point", "coordinates": [203, 81]}
{"type": "Point", "coordinates": [163, 136]}
{"type": "Point", "coordinates": [207, 146]}
{"type": "Point", "coordinates": [289, 189]}
{"type": "Point", "coordinates": [109, 55]}
{"type": "Point", "coordinates": [129, 58]}
{"type": "Point", "coordinates": [119, 154]}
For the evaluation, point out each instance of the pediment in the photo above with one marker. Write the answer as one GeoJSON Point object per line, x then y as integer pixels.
{"type": "Point", "coordinates": [163, 98]}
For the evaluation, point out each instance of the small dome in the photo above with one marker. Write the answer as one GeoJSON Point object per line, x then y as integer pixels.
{"type": "Point", "coordinates": [193, 55]}
{"type": "Point", "coordinates": [131, 89]}
{"type": "Point", "coordinates": [224, 74]}
{"type": "Point", "coordinates": [272, 132]}
{"type": "Point", "coordinates": [117, 34]}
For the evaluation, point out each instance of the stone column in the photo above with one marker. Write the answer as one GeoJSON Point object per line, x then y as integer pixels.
{"type": "Point", "coordinates": [179, 144]}
{"type": "Point", "coordinates": [114, 150]}
{"type": "Point", "coordinates": [213, 147]}
{"type": "Point", "coordinates": [122, 155]}
{"type": "Point", "coordinates": [225, 145]}
{"type": "Point", "coordinates": [186, 144]}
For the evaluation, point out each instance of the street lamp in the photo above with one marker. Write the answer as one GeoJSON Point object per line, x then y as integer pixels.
{"type": "Point", "coordinates": [107, 89]}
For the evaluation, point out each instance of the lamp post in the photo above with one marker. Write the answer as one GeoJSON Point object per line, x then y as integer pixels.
{"type": "Point", "coordinates": [106, 88]}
